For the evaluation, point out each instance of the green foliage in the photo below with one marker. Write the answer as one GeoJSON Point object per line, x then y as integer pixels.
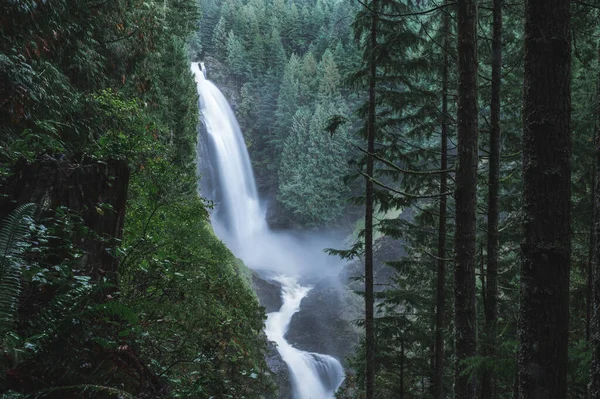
{"type": "Point", "coordinates": [280, 59]}
{"type": "Point", "coordinates": [313, 164]}
{"type": "Point", "coordinates": [13, 231]}
{"type": "Point", "coordinates": [193, 301]}
{"type": "Point", "coordinates": [111, 80]}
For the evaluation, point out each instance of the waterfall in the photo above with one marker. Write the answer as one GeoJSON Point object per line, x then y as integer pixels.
{"type": "Point", "coordinates": [239, 216]}
{"type": "Point", "coordinates": [239, 220]}
{"type": "Point", "coordinates": [313, 375]}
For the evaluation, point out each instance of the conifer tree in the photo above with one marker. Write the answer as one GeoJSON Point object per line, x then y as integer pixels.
{"type": "Point", "coordinates": [488, 384]}
{"type": "Point", "coordinates": [440, 308]}
{"type": "Point", "coordinates": [545, 275]}
{"type": "Point", "coordinates": [465, 318]}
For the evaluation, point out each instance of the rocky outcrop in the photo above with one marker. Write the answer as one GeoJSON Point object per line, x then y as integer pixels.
{"type": "Point", "coordinates": [269, 296]}
{"type": "Point", "coordinates": [386, 249]}
{"type": "Point", "coordinates": [324, 322]}
{"type": "Point", "coordinates": [268, 292]}
{"type": "Point", "coordinates": [281, 372]}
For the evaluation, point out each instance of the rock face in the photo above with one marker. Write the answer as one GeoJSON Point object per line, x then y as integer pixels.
{"type": "Point", "coordinates": [268, 292]}
{"type": "Point", "coordinates": [324, 322]}
{"type": "Point", "coordinates": [269, 295]}
{"type": "Point", "coordinates": [280, 371]}
{"type": "Point", "coordinates": [385, 249]}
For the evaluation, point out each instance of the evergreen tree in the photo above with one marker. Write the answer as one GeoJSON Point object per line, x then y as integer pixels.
{"type": "Point", "coordinates": [236, 56]}
{"type": "Point", "coordinates": [544, 309]}
{"type": "Point", "coordinates": [465, 318]}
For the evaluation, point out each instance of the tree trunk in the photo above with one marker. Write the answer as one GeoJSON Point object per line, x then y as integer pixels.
{"type": "Point", "coordinates": [97, 191]}
{"type": "Point", "coordinates": [466, 198]}
{"type": "Point", "coordinates": [488, 382]}
{"type": "Point", "coordinates": [401, 370]}
{"type": "Point", "coordinates": [594, 388]}
{"type": "Point", "coordinates": [440, 300]}
{"type": "Point", "coordinates": [369, 295]}
{"type": "Point", "coordinates": [544, 304]}
{"type": "Point", "coordinates": [593, 240]}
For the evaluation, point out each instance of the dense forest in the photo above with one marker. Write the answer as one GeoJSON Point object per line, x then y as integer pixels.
{"type": "Point", "coordinates": [455, 144]}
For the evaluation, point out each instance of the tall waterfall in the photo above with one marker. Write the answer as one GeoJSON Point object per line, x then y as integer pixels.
{"type": "Point", "coordinates": [240, 221]}
{"type": "Point", "coordinates": [239, 213]}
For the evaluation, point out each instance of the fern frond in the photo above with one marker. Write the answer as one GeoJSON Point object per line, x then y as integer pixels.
{"type": "Point", "coordinates": [13, 231]}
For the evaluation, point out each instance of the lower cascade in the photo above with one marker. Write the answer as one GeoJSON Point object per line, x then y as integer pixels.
{"type": "Point", "coordinates": [313, 375]}
{"type": "Point", "coordinates": [287, 257]}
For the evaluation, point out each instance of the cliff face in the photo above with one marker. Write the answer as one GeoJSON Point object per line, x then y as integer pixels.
{"type": "Point", "coordinates": [269, 295]}
{"type": "Point", "coordinates": [96, 190]}
{"type": "Point", "coordinates": [324, 322]}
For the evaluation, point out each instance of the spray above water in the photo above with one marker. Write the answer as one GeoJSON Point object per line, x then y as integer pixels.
{"type": "Point", "coordinates": [239, 220]}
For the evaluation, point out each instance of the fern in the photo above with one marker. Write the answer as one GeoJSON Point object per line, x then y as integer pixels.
{"type": "Point", "coordinates": [12, 233]}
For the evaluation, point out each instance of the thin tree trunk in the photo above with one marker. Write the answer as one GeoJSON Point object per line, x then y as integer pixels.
{"type": "Point", "coordinates": [488, 383]}
{"type": "Point", "coordinates": [594, 388]}
{"type": "Point", "coordinates": [466, 198]}
{"type": "Point", "coordinates": [369, 295]}
{"type": "Point", "coordinates": [544, 304]}
{"type": "Point", "coordinates": [440, 300]}
{"type": "Point", "coordinates": [401, 369]}
{"type": "Point", "coordinates": [593, 240]}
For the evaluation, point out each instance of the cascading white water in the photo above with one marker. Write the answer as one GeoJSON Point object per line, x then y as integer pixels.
{"type": "Point", "coordinates": [313, 375]}
{"type": "Point", "coordinates": [241, 216]}
{"type": "Point", "coordinates": [240, 222]}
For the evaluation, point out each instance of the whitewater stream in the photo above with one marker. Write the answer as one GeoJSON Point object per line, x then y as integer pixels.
{"type": "Point", "coordinates": [239, 220]}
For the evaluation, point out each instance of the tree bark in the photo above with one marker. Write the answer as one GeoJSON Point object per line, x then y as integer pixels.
{"type": "Point", "coordinates": [440, 314]}
{"type": "Point", "coordinates": [593, 240]}
{"type": "Point", "coordinates": [488, 382]}
{"type": "Point", "coordinates": [544, 304]}
{"type": "Point", "coordinates": [401, 369]}
{"type": "Point", "coordinates": [594, 388]}
{"type": "Point", "coordinates": [85, 188]}
{"type": "Point", "coordinates": [369, 191]}
{"type": "Point", "coordinates": [465, 320]}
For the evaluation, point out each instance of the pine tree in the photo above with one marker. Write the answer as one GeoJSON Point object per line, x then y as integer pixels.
{"type": "Point", "coordinates": [219, 40]}
{"type": "Point", "coordinates": [544, 306]}
{"type": "Point", "coordinates": [465, 318]}
{"type": "Point", "coordinates": [440, 308]}
{"type": "Point", "coordinates": [236, 56]}
{"type": "Point", "coordinates": [488, 384]}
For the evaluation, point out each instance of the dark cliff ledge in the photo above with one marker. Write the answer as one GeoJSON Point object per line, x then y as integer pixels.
{"type": "Point", "coordinates": [97, 191]}
{"type": "Point", "coordinates": [268, 292]}
{"type": "Point", "coordinates": [269, 296]}
{"type": "Point", "coordinates": [324, 322]}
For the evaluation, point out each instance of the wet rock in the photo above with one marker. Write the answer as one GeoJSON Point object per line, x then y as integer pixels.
{"type": "Point", "coordinates": [385, 249]}
{"type": "Point", "coordinates": [324, 322]}
{"type": "Point", "coordinates": [268, 292]}
{"type": "Point", "coordinates": [269, 296]}
{"type": "Point", "coordinates": [280, 371]}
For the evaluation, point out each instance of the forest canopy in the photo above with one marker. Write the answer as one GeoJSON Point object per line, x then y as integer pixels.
{"type": "Point", "coordinates": [455, 143]}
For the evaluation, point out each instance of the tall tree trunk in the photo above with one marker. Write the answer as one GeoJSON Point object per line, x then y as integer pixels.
{"type": "Point", "coordinates": [440, 300]}
{"type": "Point", "coordinates": [369, 295]}
{"type": "Point", "coordinates": [593, 240]}
{"type": "Point", "coordinates": [594, 388]}
{"type": "Point", "coordinates": [54, 183]}
{"type": "Point", "coordinates": [488, 383]}
{"type": "Point", "coordinates": [544, 304]}
{"type": "Point", "coordinates": [593, 237]}
{"type": "Point", "coordinates": [401, 370]}
{"type": "Point", "coordinates": [466, 198]}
